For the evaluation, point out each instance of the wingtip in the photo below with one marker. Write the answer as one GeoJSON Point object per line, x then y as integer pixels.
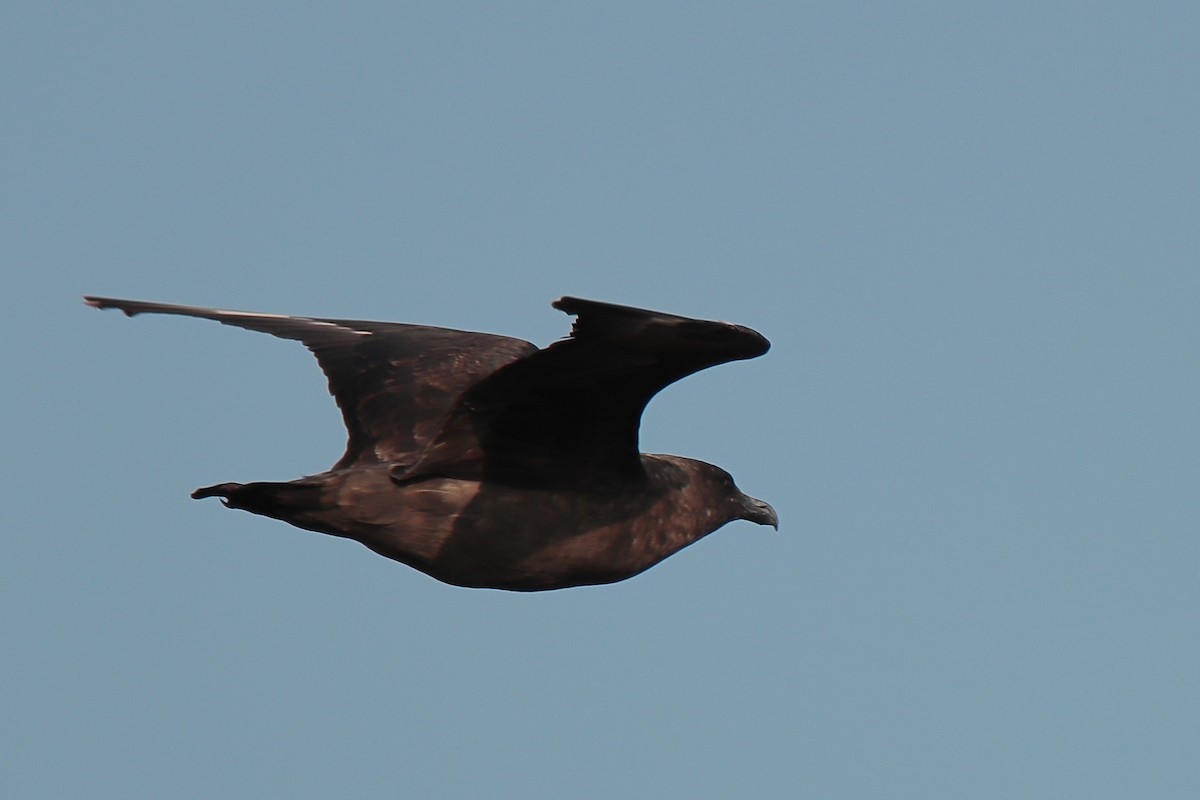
{"type": "Point", "coordinates": [129, 308]}
{"type": "Point", "coordinates": [567, 303]}
{"type": "Point", "coordinates": [105, 302]}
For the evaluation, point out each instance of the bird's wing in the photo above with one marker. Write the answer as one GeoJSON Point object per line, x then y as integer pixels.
{"type": "Point", "coordinates": [395, 383]}
{"type": "Point", "coordinates": [571, 412]}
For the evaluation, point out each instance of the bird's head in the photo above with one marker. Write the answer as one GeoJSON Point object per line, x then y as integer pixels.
{"type": "Point", "coordinates": [737, 504]}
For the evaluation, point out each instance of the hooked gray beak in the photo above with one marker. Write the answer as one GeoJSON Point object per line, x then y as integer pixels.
{"type": "Point", "coordinates": [760, 512]}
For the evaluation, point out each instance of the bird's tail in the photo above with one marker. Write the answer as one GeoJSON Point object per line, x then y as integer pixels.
{"type": "Point", "coordinates": [286, 501]}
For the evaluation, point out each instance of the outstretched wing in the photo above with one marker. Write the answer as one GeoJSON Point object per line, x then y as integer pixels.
{"type": "Point", "coordinates": [395, 383]}
{"type": "Point", "coordinates": [571, 412]}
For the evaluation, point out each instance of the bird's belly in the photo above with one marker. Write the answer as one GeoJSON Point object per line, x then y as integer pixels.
{"type": "Point", "coordinates": [469, 534]}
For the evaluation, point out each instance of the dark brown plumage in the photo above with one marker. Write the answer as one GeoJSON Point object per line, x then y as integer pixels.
{"type": "Point", "coordinates": [483, 461]}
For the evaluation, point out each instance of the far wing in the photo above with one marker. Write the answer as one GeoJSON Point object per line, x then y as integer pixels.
{"type": "Point", "coordinates": [571, 412]}
{"type": "Point", "coordinates": [394, 382]}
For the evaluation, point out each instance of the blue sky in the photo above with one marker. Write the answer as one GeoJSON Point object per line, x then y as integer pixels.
{"type": "Point", "coordinates": [970, 232]}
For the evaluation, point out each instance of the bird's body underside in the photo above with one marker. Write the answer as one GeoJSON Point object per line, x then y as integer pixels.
{"type": "Point", "coordinates": [483, 461]}
{"type": "Point", "coordinates": [584, 536]}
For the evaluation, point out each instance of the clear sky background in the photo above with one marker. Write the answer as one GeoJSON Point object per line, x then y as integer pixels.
{"type": "Point", "coordinates": [969, 229]}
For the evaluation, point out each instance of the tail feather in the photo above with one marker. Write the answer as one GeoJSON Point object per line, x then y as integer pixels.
{"type": "Point", "coordinates": [222, 490]}
{"type": "Point", "coordinates": [279, 500]}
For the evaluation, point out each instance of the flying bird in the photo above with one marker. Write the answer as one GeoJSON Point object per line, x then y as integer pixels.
{"type": "Point", "coordinates": [484, 461]}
